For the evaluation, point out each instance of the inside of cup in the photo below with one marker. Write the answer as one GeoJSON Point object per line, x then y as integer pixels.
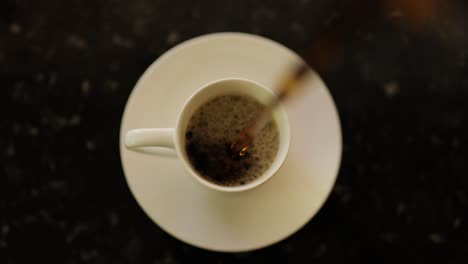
{"type": "Point", "coordinates": [233, 87]}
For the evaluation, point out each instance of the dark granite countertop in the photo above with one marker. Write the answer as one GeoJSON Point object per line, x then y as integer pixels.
{"type": "Point", "coordinates": [67, 68]}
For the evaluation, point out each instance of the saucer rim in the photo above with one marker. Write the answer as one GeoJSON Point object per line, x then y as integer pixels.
{"type": "Point", "coordinates": [194, 41]}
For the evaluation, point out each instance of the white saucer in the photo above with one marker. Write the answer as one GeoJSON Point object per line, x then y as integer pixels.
{"type": "Point", "coordinates": [236, 221]}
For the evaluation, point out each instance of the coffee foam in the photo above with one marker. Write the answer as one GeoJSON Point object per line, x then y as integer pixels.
{"type": "Point", "coordinates": [211, 130]}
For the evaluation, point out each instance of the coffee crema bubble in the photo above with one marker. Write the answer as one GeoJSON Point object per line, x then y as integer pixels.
{"type": "Point", "coordinates": [211, 131]}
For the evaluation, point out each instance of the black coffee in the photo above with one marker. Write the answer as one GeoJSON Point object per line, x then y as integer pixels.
{"type": "Point", "coordinates": [213, 128]}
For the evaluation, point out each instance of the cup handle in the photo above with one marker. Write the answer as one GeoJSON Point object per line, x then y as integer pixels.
{"type": "Point", "coordinates": [150, 137]}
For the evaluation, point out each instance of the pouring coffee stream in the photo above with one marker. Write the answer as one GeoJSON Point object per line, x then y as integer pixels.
{"type": "Point", "coordinates": [328, 48]}
{"type": "Point", "coordinates": [322, 55]}
{"type": "Point", "coordinates": [287, 87]}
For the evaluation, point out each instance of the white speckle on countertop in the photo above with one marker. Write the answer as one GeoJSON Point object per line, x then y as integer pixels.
{"type": "Point", "coordinates": [5, 229]}
{"type": "Point", "coordinates": [113, 219]}
{"type": "Point", "coordinates": [369, 37]}
{"type": "Point", "coordinates": [77, 41]}
{"type": "Point", "coordinates": [74, 232]}
{"type": "Point", "coordinates": [50, 53]}
{"type": "Point", "coordinates": [34, 193]}
{"type": "Point", "coordinates": [52, 79]}
{"type": "Point", "coordinates": [297, 28]}
{"type": "Point", "coordinates": [30, 34]}
{"type": "Point", "coordinates": [139, 26]}
{"type": "Point", "coordinates": [436, 238]}
{"type": "Point", "coordinates": [404, 39]}
{"type": "Point", "coordinates": [89, 145]}
{"type": "Point", "coordinates": [30, 219]}
{"type": "Point", "coordinates": [168, 258]}
{"type": "Point", "coordinates": [455, 142]}
{"type": "Point", "coordinates": [10, 151]}
{"type": "Point", "coordinates": [62, 225]}
{"type": "Point", "coordinates": [45, 119]}
{"type": "Point", "coordinates": [74, 120]}
{"type": "Point", "coordinates": [85, 87]}
{"type": "Point", "coordinates": [343, 193]}
{"type": "Point", "coordinates": [400, 208]}
{"type": "Point", "coordinates": [61, 121]}
{"type": "Point", "coordinates": [457, 223]}
{"type": "Point", "coordinates": [320, 251]}
{"type": "Point", "coordinates": [57, 185]}
{"type": "Point", "coordinates": [391, 88]}
{"type": "Point", "coordinates": [33, 131]}
{"type": "Point", "coordinates": [332, 18]}
{"type": "Point", "coordinates": [435, 140]}
{"type": "Point", "coordinates": [86, 255]}
{"type": "Point", "coordinates": [37, 49]}
{"type": "Point", "coordinates": [112, 85]}
{"type": "Point", "coordinates": [16, 128]}
{"type": "Point", "coordinates": [461, 196]}
{"type": "Point", "coordinates": [51, 166]}
{"type": "Point", "coordinates": [388, 236]}
{"type": "Point", "coordinates": [288, 248]}
{"type": "Point", "coordinates": [263, 12]}
{"type": "Point", "coordinates": [39, 77]}
{"type": "Point", "coordinates": [120, 41]}
{"type": "Point", "coordinates": [15, 28]}
{"type": "Point", "coordinates": [195, 13]}
{"type": "Point", "coordinates": [18, 91]}
{"type": "Point", "coordinates": [172, 38]}
{"type": "Point", "coordinates": [395, 14]}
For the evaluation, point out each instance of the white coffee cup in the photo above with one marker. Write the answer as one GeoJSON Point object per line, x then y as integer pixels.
{"type": "Point", "coordinates": [174, 138]}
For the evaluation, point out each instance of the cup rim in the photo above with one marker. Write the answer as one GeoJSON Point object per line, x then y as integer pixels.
{"type": "Point", "coordinates": [277, 163]}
